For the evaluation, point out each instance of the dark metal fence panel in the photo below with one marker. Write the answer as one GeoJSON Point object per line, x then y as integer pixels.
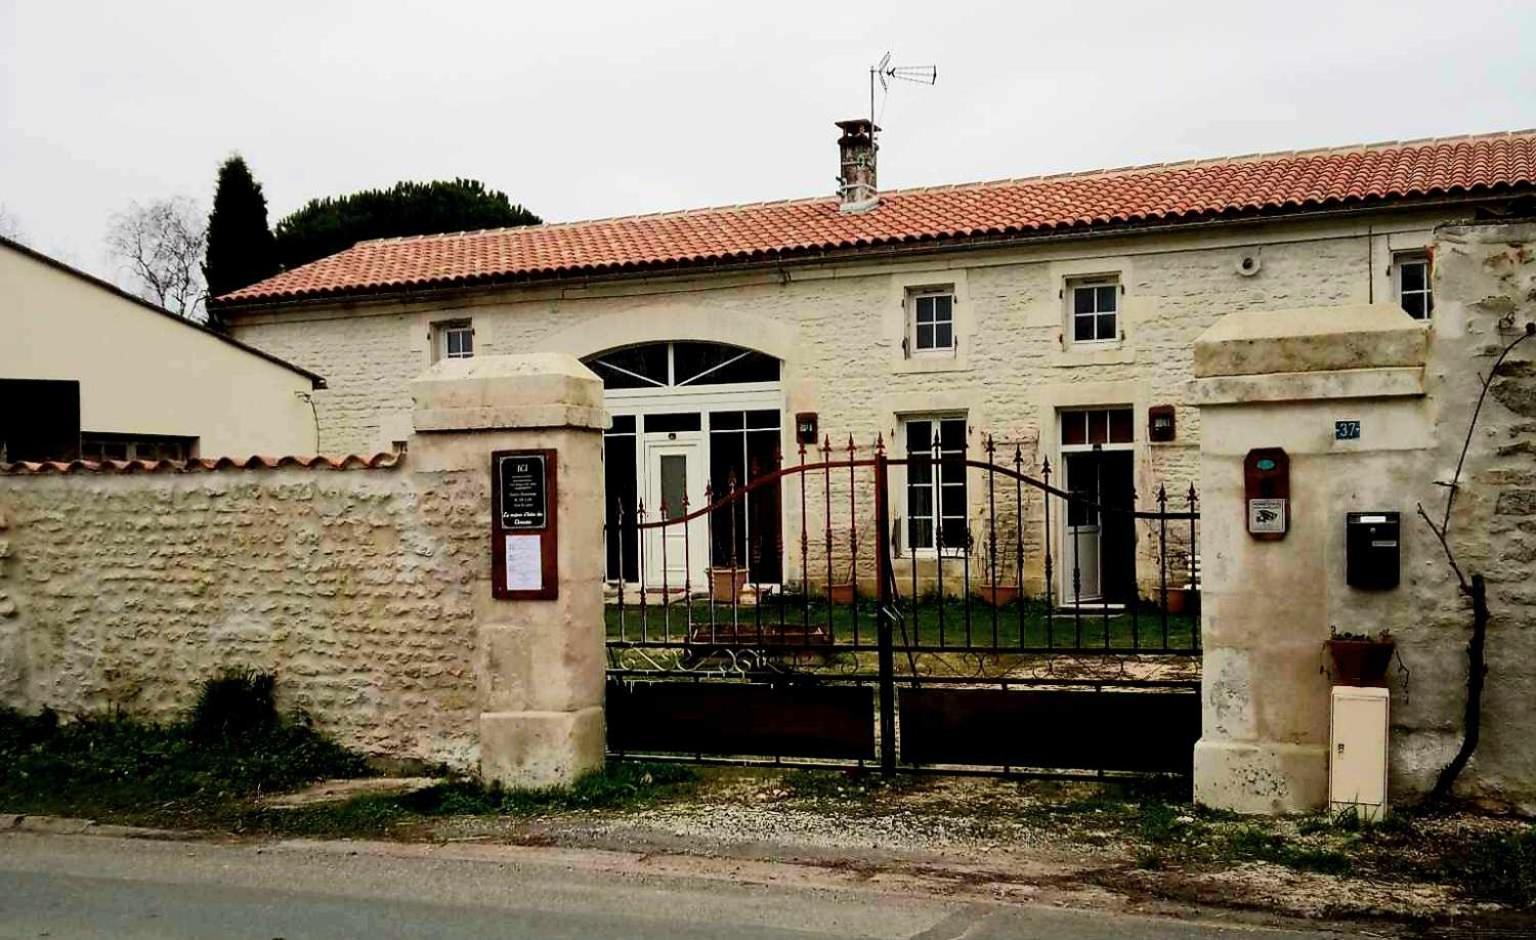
{"type": "Point", "coordinates": [708, 658]}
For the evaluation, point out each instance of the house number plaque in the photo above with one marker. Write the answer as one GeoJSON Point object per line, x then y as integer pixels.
{"type": "Point", "coordinates": [523, 529]}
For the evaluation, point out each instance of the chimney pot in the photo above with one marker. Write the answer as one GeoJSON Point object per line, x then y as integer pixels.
{"type": "Point", "coordinates": [856, 152]}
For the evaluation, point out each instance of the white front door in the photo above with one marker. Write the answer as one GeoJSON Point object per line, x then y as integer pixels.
{"type": "Point", "coordinates": [1080, 568]}
{"type": "Point", "coordinates": [675, 555]}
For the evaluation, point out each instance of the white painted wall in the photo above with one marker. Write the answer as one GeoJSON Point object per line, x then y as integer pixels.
{"type": "Point", "coordinates": [143, 372]}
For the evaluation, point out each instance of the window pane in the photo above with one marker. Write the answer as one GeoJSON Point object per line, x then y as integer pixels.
{"type": "Point", "coordinates": [622, 424]}
{"type": "Point", "coordinates": [952, 500]}
{"type": "Point", "coordinates": [924, 336]}
{"type": "Point", "coordinates": [1082, 300]}
{"type": "Point", "coordinates": [1098, 427]}
{"type": "Point", "coordinates": [919, 436]}
{"type": "Point", "coordinates": [1082, 328]}
{"type": "Point", "coordinates": [952, 433]}
{"type": "Point", "coordinates": [765, 418]}
{"type": "Point", "coordinates": [674, 483]}
{"type": "Point", "coordinates": [727, 420]}
{"type": "Point", "coordinates": [919, 469]}
{"type": "Point", "coordinates": [704, 364]}
{"type": "Point", "coordinates": [924, 308]}
{"type": "Point", "coordinates": [677, 421]}
{"type": "Point", "coordinates": [1107, 297]}
{"type": "Point", "coordinates": [1120, 426]}
{"type": "Point", "coordinates": [619, 367]}
{"type": "Point", "coordinates": [1411, 275]}
{"type": "Point", "coordinates": [943, 307]}
{"type": "Point", "coordinates": [1414, 304]}
{"type": "Point", "coordinates": [919, 532]}
{"type": "Point", "coordinates": [943, 336]}
{"type": "Point", "coordinates": [924, 314]}
{"type": "Point", "coordinates": [1074, 428]}
{"type": "Point", "coordinates": [466, 342]}
{"type": "Point", "coordinates": [1107, 329]}
{"type": "Point", "coordinates": [955, 535]}
{"type": "Point", "coordinates": [920, 500]}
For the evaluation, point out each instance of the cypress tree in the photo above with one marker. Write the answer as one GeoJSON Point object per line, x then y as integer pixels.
{"type": "Point", "coordinates": [241, 249]}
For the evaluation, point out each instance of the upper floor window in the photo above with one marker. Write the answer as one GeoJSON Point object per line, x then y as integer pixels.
{"type": "Point", "coordinates": [104, 446]}
{"type": "Point", "coordinates": [1094, 305]}
{"type": "Point", "coordinates": [1410, 277]}
{"type": "Point", "coordinates": [453, 339]}
{"type": "Point", "coordinates": [933, 320]}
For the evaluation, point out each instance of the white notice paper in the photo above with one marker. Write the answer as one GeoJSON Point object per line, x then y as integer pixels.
{"type": "Point", "coordinates": [525, 563]}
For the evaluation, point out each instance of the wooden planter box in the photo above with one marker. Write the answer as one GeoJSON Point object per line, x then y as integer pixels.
{"type": "Point", "coordinates": [725, 584]}
{"type": "Point", "coordinates": [1361, 662]}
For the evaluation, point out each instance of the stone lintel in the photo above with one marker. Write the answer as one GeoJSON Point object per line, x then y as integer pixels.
{"type": "Point", "coordinates": [1311, 339]}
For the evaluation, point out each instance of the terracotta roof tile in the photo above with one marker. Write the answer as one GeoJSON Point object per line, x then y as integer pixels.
{"type": "Point", "coordinates": [382, 461]}
{"type": "Point", "coordinates": [1169, 192]}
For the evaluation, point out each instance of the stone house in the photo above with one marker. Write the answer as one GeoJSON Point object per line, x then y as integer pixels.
{"type": "Point", "coordinates": [1053, 315]}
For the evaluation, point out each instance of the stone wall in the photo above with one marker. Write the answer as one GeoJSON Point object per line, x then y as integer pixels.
{"type": "Point", "coordinates": [1485, 283]}
{"type": "Point", "coordinates": [1269, 606]}
{"type": "Point", "coordinates": [125, 590]}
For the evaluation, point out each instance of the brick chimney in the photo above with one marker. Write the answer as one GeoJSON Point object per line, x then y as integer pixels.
{"type": "Point", "coordinates": [856, 179]}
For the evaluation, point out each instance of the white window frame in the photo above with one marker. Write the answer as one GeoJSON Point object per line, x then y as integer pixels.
{"type": "Point", "coordinates": [1094, 283]}
{"type": "Point", "coordinates": [915, 323]}
{"type": "Point", "coordinates": [937, 485]}
{"type": "Point", "coordinates": [447, 331]}
{"type": "Point", "coordinates": [1401, 259]}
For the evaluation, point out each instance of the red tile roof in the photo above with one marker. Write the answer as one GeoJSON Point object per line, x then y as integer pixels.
{"type": "Point", "coordinates": [382, 461]}
{"type": "Point", "coordinates": [1237, 186]}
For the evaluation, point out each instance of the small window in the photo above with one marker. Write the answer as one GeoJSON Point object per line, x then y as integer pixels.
{"type": "Point", "coordinates": [936, 498]}
{"type": "Point", "coordinates": [453, 339]}
{"type": "Point", "coordinates": [1410, 273]}
{"type": "Point", "coordinates": [933, 321]}
{"type": "Point", "coordinates": [104, 446]}
{"type": "Point", "coordinates": [1094, 305]}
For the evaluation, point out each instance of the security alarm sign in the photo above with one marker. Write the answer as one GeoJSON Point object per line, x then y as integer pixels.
{"type": "Point", "coordinates": [1267, 492]}
{"type": "Point", "coordinates": [523, 525]}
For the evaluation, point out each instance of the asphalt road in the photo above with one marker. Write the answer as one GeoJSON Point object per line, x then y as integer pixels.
{"type": "Point", "coordinates": [87, 886]}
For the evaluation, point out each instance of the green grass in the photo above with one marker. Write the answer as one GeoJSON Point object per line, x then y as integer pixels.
{"type": "Point", "coordinates": [1023, 624]}
{"type": "Point", "coordinates": [149, 772]}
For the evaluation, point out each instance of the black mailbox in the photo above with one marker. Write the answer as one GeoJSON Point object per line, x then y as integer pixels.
{"type": "Point", "coordinates": [1373, 552]}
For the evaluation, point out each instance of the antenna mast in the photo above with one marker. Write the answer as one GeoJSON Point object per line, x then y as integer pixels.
{"type": "Point", "coordinates": [884, 73]}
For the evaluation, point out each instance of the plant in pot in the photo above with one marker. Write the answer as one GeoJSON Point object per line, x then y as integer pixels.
{"type": "Point", "coordinates": [1360, 659]}
{"type": "Point", "coordinates": [846, 591]}
{"type": "Point", "coordinates": [995, 594]}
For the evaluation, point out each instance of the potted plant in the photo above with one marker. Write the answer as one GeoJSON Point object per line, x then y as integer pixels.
{"type": "Point", "coordinates": [996, 595]}
{"type": "Point", "coordinates": [1360, 659]}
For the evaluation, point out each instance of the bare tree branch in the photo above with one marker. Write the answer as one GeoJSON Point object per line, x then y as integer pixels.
{"type": "Point", "coordinates": [162, 244]}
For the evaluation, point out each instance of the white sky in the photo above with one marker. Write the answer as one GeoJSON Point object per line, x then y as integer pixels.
{"type": "Point", "coordinates": [580, 110]}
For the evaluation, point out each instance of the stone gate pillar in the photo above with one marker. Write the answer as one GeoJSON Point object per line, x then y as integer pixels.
{"type": "Point", "coordinates": [540, 661]}
{"type": "Point", "coordinates": [1285, 379]}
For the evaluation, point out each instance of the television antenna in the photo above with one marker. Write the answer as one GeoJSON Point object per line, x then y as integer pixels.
{"type": "Point", "coordinates": [884, 73]}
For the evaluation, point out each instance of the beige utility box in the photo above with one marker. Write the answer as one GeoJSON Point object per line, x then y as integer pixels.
{"type": "Point", "coordinates": [1357, 761]}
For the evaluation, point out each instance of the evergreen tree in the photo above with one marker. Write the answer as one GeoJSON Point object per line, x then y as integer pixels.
{"type": "Point", "coordinates": [325, 226]}
{"type": "Point", "coordinates": [241, 249]}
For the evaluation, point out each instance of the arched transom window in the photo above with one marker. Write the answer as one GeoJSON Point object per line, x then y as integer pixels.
{"type": "Point", "coordinates": [680, 364]}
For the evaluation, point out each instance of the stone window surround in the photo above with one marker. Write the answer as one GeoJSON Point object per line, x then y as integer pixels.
{"type": "Point", "coordinates": [896, 321]}
{"type": "Point", "coordinates": [1100, 352]}
{"type": "Point", "coordinates": [438, 333]}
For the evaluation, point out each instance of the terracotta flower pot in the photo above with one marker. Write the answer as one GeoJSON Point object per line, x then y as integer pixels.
{"type": "Point", "coordinates": [842, 593]}
{"type": "Point", "coordinates": [1361, 662]}
{"type": "Point", "coordinates": [725, 584]}
{"type": "Point", "coordinates": [997, 595]}
{"type": "Point", "coordinates": [1178, 600]}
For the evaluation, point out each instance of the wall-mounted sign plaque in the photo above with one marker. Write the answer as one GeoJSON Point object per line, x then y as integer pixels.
{"type": "Point", "coordinates": [1346, 430]}
{"type": "Point", "coordinates": [523, 525]}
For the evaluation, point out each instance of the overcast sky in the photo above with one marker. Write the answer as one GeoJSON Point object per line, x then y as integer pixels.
{"type": "Point", "coordinates": [582, 110]}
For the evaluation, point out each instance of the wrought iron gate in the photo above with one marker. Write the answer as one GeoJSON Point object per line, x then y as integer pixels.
{"type": "Point", "coordinates": [905, 644]}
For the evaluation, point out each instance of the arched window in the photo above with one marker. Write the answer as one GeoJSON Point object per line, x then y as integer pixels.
{"type": "Point", "coordinates": [683, 363]}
